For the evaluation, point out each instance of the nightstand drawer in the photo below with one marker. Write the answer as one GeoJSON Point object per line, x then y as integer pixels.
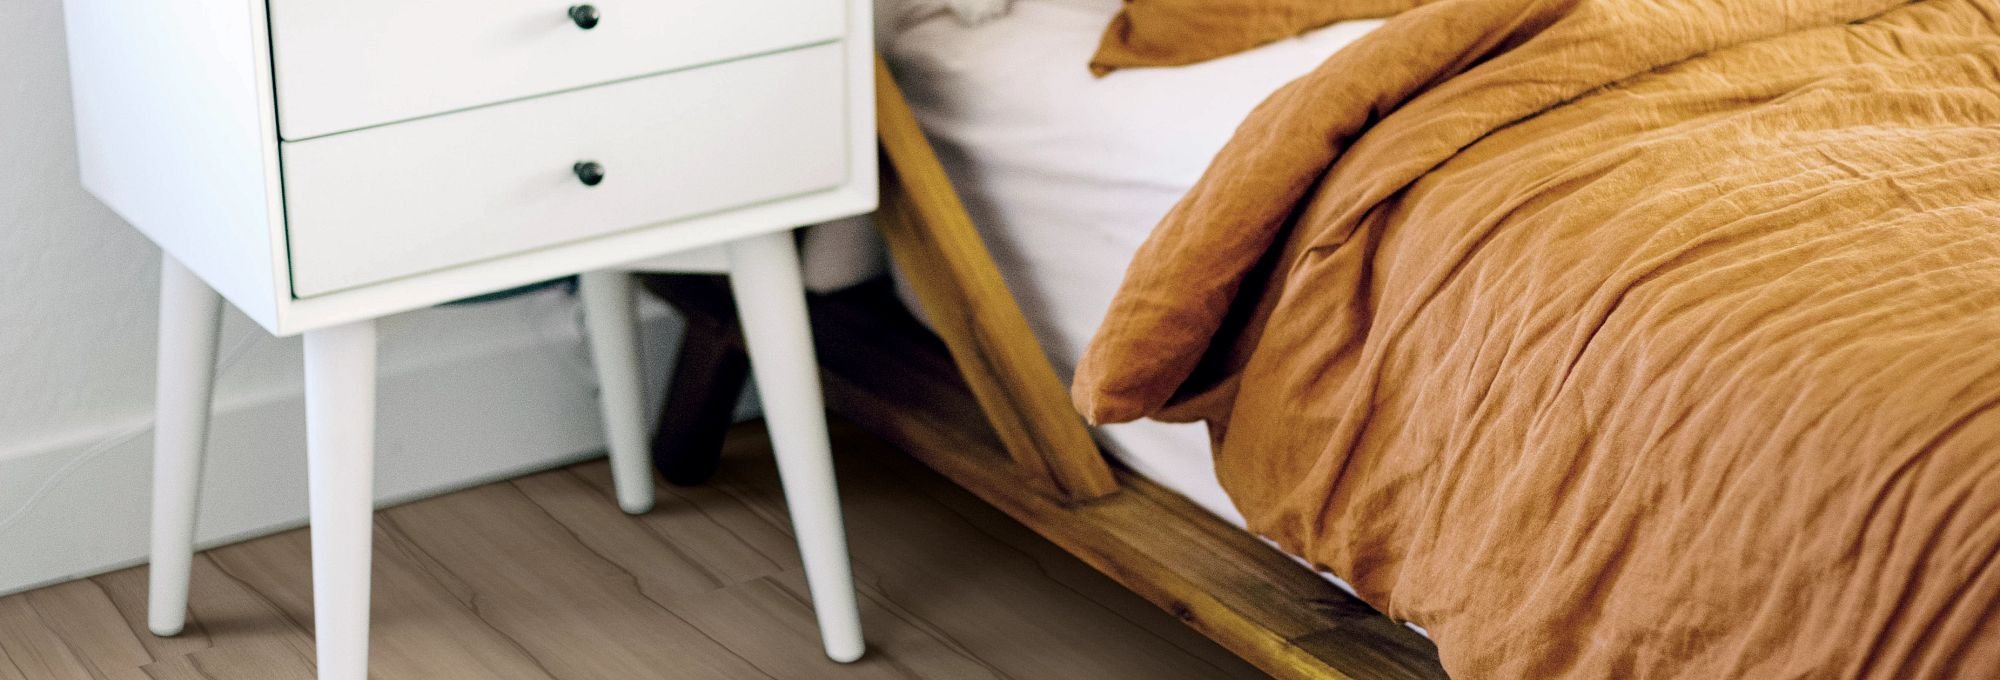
{"type": "Point", "coordinates": [376, 204]}
{"type": "Point", "coordinates": [346, 64]}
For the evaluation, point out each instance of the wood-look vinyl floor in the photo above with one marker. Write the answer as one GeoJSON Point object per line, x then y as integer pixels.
{"type": "Point", "coordinates": [542, 577]}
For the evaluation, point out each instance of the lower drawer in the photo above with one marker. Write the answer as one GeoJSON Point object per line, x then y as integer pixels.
{"type": "Point", "coordinates": [380, 203]}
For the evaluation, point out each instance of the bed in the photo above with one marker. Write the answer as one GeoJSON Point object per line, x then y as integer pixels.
{"type": "Point", "coordinates": [1421, 343]}
{"type": "Point", "coordinates": [1065, 174]}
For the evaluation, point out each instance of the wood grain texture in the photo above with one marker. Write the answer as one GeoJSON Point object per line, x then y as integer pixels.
{"type": "Point", "coordinates": [542, 578]}
{"type": "Point", "coordinates": [891, 375]}
{"type": "Point", "coordinates": [33, 650]}
{"type": "Point", "coordinates": [83, 616]}
{"type": "Point", "coordinates": [935, 245]}
{"type": "Point", "coordinates": [127, 591]}
{"type": "Point", "coordinates": [565, 605]}
{"type": "Point", "coordinates": [252, 658]}
{"type": "Point", "coordinates": [420, 630]}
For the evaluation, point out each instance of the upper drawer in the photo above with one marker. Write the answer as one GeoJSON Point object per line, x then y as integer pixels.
{"type": "Point", "coordinates": [376, 204]}
{"type": "Point", "coordinates": [346, 64]}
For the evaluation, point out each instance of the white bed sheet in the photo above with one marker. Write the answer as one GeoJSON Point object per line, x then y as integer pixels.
{"type": "Point", "coordinates": [1065, 174]}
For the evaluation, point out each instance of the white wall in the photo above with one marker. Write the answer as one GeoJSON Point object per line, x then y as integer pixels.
{"type": "Point", "coordinates": [468, 394]}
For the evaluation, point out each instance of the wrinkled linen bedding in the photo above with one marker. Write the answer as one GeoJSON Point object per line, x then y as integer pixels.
{"type": "Point", "coordinates": [1609, 338]}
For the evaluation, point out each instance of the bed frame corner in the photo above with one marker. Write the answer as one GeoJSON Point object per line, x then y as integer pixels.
{"type": "Point", "coordinates": [933, 242]}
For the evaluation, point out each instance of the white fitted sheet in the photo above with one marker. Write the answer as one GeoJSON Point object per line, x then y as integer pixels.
{"type": "Point", "coordinates": [1065, 174]}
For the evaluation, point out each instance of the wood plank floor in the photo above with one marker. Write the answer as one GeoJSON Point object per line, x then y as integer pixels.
{"type": "Point", "coordinates": [543, 578]}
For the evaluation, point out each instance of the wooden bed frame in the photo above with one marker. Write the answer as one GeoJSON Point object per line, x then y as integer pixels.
{"type": "Point", "coordinates": [979, 402]}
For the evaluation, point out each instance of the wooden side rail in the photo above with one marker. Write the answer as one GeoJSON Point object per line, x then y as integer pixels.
{"type": "Point", "coordinates": [933, 242]}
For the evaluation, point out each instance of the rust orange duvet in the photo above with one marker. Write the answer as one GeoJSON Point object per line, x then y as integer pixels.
{"type": "Point", "coordinates": [1611, 338]}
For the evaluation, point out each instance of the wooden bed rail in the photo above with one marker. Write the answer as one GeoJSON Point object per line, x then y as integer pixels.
{"type": "Point", "coordinates": [974, 398]}
{"type": "Point", "coordinates": [967, 303]}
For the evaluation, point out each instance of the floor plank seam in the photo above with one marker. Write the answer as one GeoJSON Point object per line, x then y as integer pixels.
{"type": "Point", "coordinates": [82, 659]}
{"type": "Point", "coordinates": [11, 663]}
{"type": "Point", "coordinates": [776, 562]}
{"type": "Point", "coordinates": [861, 591]}
{"type": "Point", "coordinates": [666, 542]}
{"type": "Point", "coordinates": [261, 597]}
{"type": "Point", "coordinates": [896, 609]}
{"type": "Point", "coordinates": [126, 623]}
{"type": "Point", "coordinates": [941, 635]}
{"type": "Point", "coordinates": [638, 584]}
{"type": "Point", "coordinates": [473, 608]}
{"type": "Point", "coordinates": [194, 664]}
{"type": "Point", "coordinates": [192, 627]}
{"type": "Point", "coordinates": [704, 634]}
{"type": "Point", "coordinates": [470, 601]}
{"type": "Point", "coordinates": [429, 564]}
{"type": "Point", "coordinates": [731, 486]}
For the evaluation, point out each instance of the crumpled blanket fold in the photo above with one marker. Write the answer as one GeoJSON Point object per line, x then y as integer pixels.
{"type": "Point", "coordinates": [1607, 338]}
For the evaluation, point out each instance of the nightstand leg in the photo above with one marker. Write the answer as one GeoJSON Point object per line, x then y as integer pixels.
{"type": "Point", "coordinates": [190, 319]}
{"type": "Point", "coordinates": [770, 297]}
{"type": "Point", "coordinates": [609, 315]}
{"type": "Point", "coordinates": [340, 467]}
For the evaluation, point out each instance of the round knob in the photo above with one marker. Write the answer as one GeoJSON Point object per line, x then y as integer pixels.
{"type": "Point", "coordinates": [588, 172]}
{"type": "Point", "coordinates": [585, 16]}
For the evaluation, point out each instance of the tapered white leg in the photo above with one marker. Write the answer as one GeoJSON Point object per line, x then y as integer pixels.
{"type": "Point", "coordinates": [190, 319]}
{"type": "Point", "coordinates": [770, 298]}
{"type": "Point", "coordinates": [340, 467]}
{"type": "Point", "coordinates": [609, 315]}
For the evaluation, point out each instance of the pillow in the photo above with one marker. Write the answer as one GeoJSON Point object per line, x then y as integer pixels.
{"type": "Point", "coordinates": [1179, 32]}
{"type": "Point", "coordinates": [893, 16]}
{"type": "Point", "coordinates": [890, 13]}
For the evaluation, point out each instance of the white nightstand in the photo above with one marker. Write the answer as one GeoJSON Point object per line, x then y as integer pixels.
{"type": "Point", "coordinates": [320, 164]}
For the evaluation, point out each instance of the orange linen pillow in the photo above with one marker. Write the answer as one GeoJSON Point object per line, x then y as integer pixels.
{"type": "Point", "coordinates": [1179, 32]}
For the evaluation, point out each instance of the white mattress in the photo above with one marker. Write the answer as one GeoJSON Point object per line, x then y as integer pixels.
{"type": "Point", "coordinates": [1065, 174]}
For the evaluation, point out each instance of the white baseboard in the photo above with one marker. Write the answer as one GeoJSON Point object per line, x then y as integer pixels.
{"type": "Point", "coordinates": [447, 420]}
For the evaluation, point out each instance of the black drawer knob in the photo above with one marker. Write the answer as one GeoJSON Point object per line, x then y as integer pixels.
{"type": "Point", "coordinates": [588, 172]}
{"type": "Point", "coordinates": [585, 16]}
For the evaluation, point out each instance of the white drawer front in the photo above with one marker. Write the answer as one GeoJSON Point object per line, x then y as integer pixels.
{"type": "Point", "coordinates": [376, 204]}
{"type": "Point", "coordinates": [346, 64]}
